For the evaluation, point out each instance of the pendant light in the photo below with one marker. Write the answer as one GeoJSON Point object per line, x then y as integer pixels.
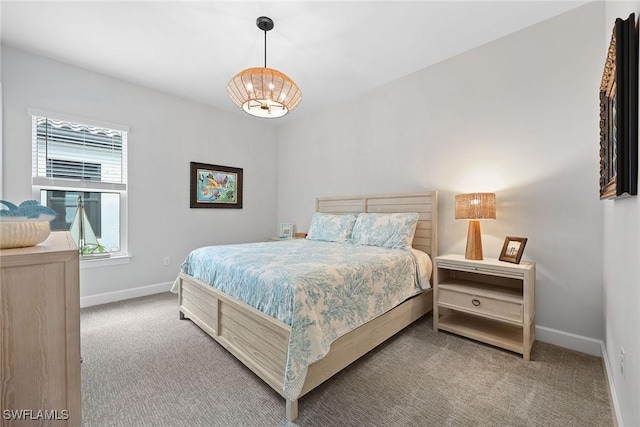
{"type": "Point", "coordinates": [264, 92]}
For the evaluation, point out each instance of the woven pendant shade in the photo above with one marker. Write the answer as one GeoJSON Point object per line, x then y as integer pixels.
{"type": "Point", "coordinates": [264, 92]}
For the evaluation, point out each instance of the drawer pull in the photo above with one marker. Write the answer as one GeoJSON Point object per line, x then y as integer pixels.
{"type": "Point", "coordinates": [475, 302]}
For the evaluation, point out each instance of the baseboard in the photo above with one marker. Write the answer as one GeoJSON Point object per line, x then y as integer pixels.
{"type": "Point", "coordinates": [613, 398]}
{"type": "Point", "coordinates": [568, 340]}
{"type": "Point", "coordinates": [124, 294]}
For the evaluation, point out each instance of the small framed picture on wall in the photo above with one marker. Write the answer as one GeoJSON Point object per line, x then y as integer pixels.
{"type": "Point", "coordinates": [512, 249]}
{"type": "Point", "coordinates": [286, 230]}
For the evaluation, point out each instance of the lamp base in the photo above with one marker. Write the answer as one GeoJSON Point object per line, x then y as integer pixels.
{"type": "Point", "coordinates": [474, 241]}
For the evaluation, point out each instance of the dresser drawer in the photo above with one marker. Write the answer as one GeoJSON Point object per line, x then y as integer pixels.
{"type": "Point", "coordinates": [481, 305]}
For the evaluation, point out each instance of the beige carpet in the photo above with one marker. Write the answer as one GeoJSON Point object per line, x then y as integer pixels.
{"type": "Point", "coordinates": [144, 367]}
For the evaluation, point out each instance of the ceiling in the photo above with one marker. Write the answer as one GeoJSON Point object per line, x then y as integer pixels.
{"type": "Point", "coordinates": [333, 50]}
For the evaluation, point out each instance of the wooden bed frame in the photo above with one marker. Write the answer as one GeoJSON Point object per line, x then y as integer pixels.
{"type": "Point", "coordinates": [261, 342]}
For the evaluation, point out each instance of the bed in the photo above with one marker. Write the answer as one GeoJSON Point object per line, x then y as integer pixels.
{"type": "Point", "coordinates": [262, 341]}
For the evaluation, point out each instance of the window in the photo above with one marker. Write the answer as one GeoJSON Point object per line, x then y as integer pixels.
{"type": "Point", "coordinates": [85, 162]}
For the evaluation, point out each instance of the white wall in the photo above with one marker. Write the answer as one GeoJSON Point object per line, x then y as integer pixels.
{"type": "Point", "coordinates": [622, 274]}
{"type": "Point", "coordinates": [166, 133]}
{"type": "Point", "coordinates": [518, 116]}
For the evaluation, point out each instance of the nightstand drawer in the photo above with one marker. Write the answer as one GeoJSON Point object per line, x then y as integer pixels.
{"type": "Point", "coordinates": [480, 305]}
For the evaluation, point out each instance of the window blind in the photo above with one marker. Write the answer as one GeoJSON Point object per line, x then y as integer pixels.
{"type": "Point", "coordinates": [72, 151]}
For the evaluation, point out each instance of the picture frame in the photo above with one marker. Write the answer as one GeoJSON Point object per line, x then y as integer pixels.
{"type": "Point", "coordinates": [512, 249]}
{"type": "Point", "coordinates": [286, 230]}
{"type": "Point", "coordinates": [619, 113]}
{"type": "Point", "coordinates": [215, 186]}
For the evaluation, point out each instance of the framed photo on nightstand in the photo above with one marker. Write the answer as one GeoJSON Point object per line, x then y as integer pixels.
{"type": "Point", "coordinates": [286, 230]}
{"type": "Point", "coordinates": [512, 249]}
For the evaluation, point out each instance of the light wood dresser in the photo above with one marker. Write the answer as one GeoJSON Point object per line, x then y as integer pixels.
{"type": "Point", "coordinates": [40, 327]}
{"type": "Point", "coordinates": [488, 300]}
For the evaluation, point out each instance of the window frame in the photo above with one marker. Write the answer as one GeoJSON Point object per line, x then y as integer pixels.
{"type": "Point", "coordinates": [39, 183]}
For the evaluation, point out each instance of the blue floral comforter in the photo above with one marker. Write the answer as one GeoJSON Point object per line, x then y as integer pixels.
{"type": "Point", "coordinates": [322, 290]}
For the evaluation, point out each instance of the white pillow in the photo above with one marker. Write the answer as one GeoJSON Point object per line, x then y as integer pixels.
{"type": "Point", "coordinates": [392, 230]}
{"type": "Point", "coordinates": [331, 228]}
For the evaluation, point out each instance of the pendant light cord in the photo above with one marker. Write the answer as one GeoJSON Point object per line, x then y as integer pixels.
{"type": "Point", "coordinates": [265, 48]}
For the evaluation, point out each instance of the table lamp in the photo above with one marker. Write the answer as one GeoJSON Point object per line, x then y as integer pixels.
{"type": "Point", "coordinates": [475, 206]}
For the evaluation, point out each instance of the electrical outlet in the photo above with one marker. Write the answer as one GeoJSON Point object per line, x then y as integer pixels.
{"type": "Point", "coordinates": [166, 261]}
{"type": "Point", "coordinates": [622, 356]}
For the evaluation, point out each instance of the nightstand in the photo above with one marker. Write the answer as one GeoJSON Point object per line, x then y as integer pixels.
{"type": "Point", "coordinates": [488, 300]}
{"type": "Point", "coordinates": [295, 236]}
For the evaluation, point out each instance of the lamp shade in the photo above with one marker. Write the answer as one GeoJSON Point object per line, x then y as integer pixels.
{"type": "Point", "coordinates": [264, 92]}
{"type": "Point", "coordinates": [476, 206]}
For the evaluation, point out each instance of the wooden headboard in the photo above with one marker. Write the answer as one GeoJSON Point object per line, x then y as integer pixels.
{"type": "Point", "coordinates": [424, 203]}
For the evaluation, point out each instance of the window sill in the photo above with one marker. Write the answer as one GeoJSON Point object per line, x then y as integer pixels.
{"type": "Point", "coordinates": [104, 262]}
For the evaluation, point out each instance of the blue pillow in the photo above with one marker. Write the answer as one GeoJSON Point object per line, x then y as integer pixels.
{"type": "Point", "coordinates": [331, 228]}
{"type": "Point", "coordinates": [392, 230]}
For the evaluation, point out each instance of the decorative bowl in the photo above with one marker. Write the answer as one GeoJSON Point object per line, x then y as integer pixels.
{"type": "Point", "coordinates": [20, 234]}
